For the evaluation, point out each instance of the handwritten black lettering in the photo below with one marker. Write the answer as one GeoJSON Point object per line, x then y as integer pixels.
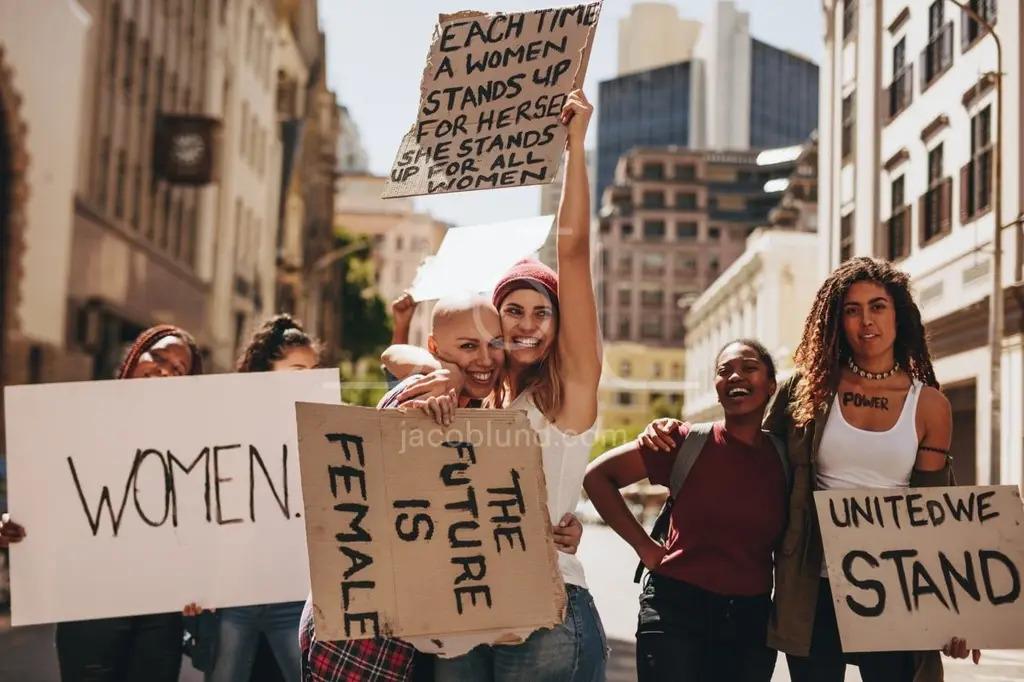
{"type": "Point", "coordinates": [408, 526]}
{"type": "Point", "coordinates": [861, 400]}
{"type": "Point", "coordinates": [966, 580]}
{"type": "Point", "coordinates": [173, 462]}
{"type": "Point", "coordinates": [282, 500]}
{"type": "Point", "coordinates": [217, 480]}
{"type": "Point", "coordinates": [472, 591]}
{"type": "Point", "coordinates": [875, 586]}
{"type": "Point", "coordinates": [871, 510]}
{"type": "Point", "coordinates": [167, 488]}
{"type": "Point", "coordinates": [508, 524]}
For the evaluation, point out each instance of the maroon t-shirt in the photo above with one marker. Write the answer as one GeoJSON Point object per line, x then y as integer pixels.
{"type": "Point", "coordinates": [728, 516]}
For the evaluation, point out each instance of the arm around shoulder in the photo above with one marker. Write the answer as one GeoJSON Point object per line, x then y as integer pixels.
{"type": "Point", "coordinates": [777, 419]}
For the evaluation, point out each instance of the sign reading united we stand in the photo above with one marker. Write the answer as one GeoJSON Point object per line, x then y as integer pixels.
{"type": "Point", "coordinates": [142, 496]}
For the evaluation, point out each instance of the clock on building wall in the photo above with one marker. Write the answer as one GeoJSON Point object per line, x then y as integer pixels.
{"type": "Point", "coordinates": [185, 149]}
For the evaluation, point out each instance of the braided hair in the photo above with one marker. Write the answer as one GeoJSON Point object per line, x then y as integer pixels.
{"type": "Point", "coordinates": [149, 338]}
{"type": "Point", "coordinates": [824, 348]}
{"type": "Point", "coordinates": [269, 343]}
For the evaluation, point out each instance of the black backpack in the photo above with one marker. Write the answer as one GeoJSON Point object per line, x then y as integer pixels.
{"type": "Point", "coordinates": [686, 456]}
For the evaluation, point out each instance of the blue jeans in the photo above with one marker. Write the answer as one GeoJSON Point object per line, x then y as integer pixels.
{"type": "Point", "coordinates": [130, 649]}
{"type": "Point", "coordinates": [239, 634]}
{"type": "Point", "coordinates": [574, 651]}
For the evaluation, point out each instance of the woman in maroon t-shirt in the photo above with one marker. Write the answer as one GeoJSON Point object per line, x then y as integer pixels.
{"type": "Point", "coordinates": [705, 605]}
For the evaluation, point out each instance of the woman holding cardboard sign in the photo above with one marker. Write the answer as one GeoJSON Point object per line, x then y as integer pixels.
{"type": "Point", "coordinates": [863, 410]}
{"type": "Point", "coordinates": [707, 597]}
{"type": "Point", "coordinates": [552, 343]}
{"type": "Point", "coordinates": [133, 648]}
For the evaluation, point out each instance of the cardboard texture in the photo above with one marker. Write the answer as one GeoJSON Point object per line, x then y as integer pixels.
{"type": "Point", "coordinates": [414, 530]}
{"type": "Point", "coordinates": [491, 100]}
{"type": "Point", "coordinates": [911, 569]}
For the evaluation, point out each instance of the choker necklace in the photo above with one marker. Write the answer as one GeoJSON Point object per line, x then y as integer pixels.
{"type": "Point", "coordinates": [871, 375]}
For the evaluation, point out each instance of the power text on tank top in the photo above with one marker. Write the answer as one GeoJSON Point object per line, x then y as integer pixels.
{"type": "Point", "coordinates": [850, 458]}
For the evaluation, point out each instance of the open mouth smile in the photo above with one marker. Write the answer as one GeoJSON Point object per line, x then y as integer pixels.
{"type": "Point", "coordinates": [738, 392]}
{"type": "Point", "coordinates": [481, 377]}
{"type": "Point", "coordinates": [525, 342]}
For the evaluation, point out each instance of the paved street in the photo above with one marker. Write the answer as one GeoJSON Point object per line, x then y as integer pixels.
{"type": "Point", "coordinates": [27, 655]}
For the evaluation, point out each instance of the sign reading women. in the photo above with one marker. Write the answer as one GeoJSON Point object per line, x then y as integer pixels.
{"type": "Point", "coordinates": [911, 569]}
{"type": "Point", "coordinates": [415, 530]}
{"type": "Point", "coordinates": [142, 496]}
{"type": "Point", "coordinates": [491, 100]}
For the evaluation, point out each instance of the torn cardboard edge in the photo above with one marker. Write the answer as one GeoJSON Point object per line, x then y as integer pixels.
{"type": "Point", "coordinates": [407, 143]}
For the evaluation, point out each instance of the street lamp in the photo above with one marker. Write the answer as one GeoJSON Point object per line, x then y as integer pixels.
{"type": "Point", "coordinates": [995, 315]}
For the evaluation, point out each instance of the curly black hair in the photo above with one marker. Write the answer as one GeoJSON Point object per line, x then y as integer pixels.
{"type": "Point", "coordinates": [269, 342]}
{"type": "Point", "coordinates": [824, 349]}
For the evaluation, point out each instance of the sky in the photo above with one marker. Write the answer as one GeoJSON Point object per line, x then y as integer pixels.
{"type": "Point", "coordinates": [375, 57]}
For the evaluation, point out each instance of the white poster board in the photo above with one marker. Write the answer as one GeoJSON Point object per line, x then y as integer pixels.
{"type": "Point", "coordinates": [141, 496]}
{"type": "Point", "coordinates": [479, 255]}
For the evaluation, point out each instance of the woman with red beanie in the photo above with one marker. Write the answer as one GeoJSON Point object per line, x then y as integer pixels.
{"type": "Point", "coordinates": [553, 349]}
{"type": "Point", "coordinates": [133, 648]}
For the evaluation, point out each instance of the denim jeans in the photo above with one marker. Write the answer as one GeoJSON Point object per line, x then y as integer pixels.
{"type": "Point", "coordinates": [240, 629]}
{"type": "Point", "coordinates": [574, 651]}
{"type": "Point", "coordinates": [688, 634]}
{"type": "Point", "coordinates": [130, 649]}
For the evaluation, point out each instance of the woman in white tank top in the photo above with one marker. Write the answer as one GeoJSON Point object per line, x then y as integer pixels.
{"type": "Point", "coordinates": [864, 410]}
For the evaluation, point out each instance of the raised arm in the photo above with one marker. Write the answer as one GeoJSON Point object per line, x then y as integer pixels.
{"type": "Point", "coordinates": [404, 360]}
{"type": "Point", "coordinates": [579, 340]}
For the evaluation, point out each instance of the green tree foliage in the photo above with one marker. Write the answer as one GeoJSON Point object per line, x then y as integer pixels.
{"type": "Point", "coordinates": [613, 438]}
{"type": "Point", "coordinates": [663, 407]}
{"type": "Point", "coordinates": [362, 383]}
{"type": "Point", "coordinates": [366, 323]}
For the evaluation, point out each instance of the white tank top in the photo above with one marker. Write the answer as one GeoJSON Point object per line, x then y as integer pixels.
{"type": "Point", "coordinates": [850, 458]}
{"type": "Point", "coordinates": [565, 460]}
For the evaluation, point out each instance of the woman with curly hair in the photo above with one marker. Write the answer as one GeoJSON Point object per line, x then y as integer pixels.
{"type": "Point", "coordinates": [131, 648]}
{"type": "Point", "coordinates": [863, 410]}
{"type": "Point", "coordinates": [233, 636]}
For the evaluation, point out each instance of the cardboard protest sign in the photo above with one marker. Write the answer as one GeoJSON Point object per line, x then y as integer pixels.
{"type": "Point", "coordinates": [415, 530]}
{"type": "Point", "coordinates": [911, 569]}
{"type": "Point", "coordinates": [470, 252]}
{"type": "Point", "coordinates": [141, 496]}
{"type": "Point", "coordinates": [491, 100]}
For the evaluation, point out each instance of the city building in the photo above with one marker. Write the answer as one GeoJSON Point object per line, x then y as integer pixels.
{"type": "Point", "coordinates": [639, 382]}
{"type": "Point", "coordinates": [308, 273]}
{"type": "Point", "coordinates": [764, 295]}
{"type": "Point", "coordinates": [735, 93]}
{"type": "Point", "coordinates": [672, 222]}
{"type": "Point", "coordinates": [147, 163]}
{"type": "Point", "coordinates": [909, 140]}
{"type": "Point", "coordinates": [40, 129]}
{"type": "Point", "coordinates": [245, 205]}
{"type": "Point", "coordinates": [653, 35]}
{"type": "Point", "coordinates": [352, 156]}
{"type": "Point", "coordinates": [403, 238]}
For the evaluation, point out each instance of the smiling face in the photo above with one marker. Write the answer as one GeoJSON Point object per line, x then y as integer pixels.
{"type": "Point", "coordinates": [168, 357]}
{"type": "Point", "coordinates": [528, 325]}
{"type": "Point", "coordinates": [869, 321]}
{"type": "Point", "coordinates": [296, 358]}
{"type": "Point", "coordinates": [471, 340]}
{"type": "Point", "coordinates": [742, 381]}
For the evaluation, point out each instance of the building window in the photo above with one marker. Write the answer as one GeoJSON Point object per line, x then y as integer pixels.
{"type": "Point", "coordinates": [192, 229]}
{"type": "Point", "coordinates": [624, 326]}
{"type": "Point", "coordinates": [154, 211]}
{"type": "Point", "coordinates": [626, 264]}
{"type": "Point", "coordinates": [849, 18]}
{"type": "Point", "coordinates": [136, 195]}
{"type": "Point", "coordinates": [653, 171]}
{"type": "Point", "coordinates": [936, 206]}
{"type": "Point", "coordinates": [103, 174]}
{"type": "Point", "coordinates": [624, 398]}
{"type": "Point", "coordinates": [901, 90]}
{"type": "Point", "coordinates": [652, 299]}
{"type": "Point", "coordinates": [654, 230]}
{"type": "Point", "coordinates": [849, 119]}
{"type": "Point", "coordinates": [626, 230]}
{"type": "Point", "coordinates": [685, 172]}
{"type": "Point", "coordinates": [686, 201]}
{"type": "Point", "coordinates": [129, 57]}
{"type": "Point", "coordinates": [115, 36]}
{"type": "Point", "coordinates": [713, 265]}
{"type": "Point", "coordinates": [654, 200]}
{"type": "Point", "coordinates": [686, 263]}
{"type": "Point", "coordinates": [846, 237]}
{"type": "Point", "coordinates": [651, 326]}
{"type": "Point", "coordinates": [144, 75]}
{"type": "Point", "coordinates": [122, 180]}
{"type": "Point", "coordinates": [976, 176]}
{"type": "Point", "coordinates": [714, 233]}
{"type": "Point", "coordinates": [970, 30]}
{"type": "Point", "coordinates": [625, 369]}
{"type": "Point", "coordinates": [653, 264]}
{"type": "Point", "coordinates": [898, 225]}
{"type": "Point", "coordinates": [625, 296]}
{"type": "Point", "coordinates": [686, 231]}
{"type": "Point", "coordinates": [166, 238]}
{"type": "Point", "coordinates": [937, 56]}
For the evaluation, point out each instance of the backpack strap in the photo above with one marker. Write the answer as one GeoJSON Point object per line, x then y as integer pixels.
{"type": "Point", "coordinates": [685, 458]}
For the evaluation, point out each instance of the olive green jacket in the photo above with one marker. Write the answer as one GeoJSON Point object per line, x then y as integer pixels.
{"type": "Point", "coordinates": [798, 560]}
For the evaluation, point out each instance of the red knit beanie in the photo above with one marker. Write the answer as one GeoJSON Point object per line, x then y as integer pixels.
{"type": "Point", "coordinates": [527, 274]}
